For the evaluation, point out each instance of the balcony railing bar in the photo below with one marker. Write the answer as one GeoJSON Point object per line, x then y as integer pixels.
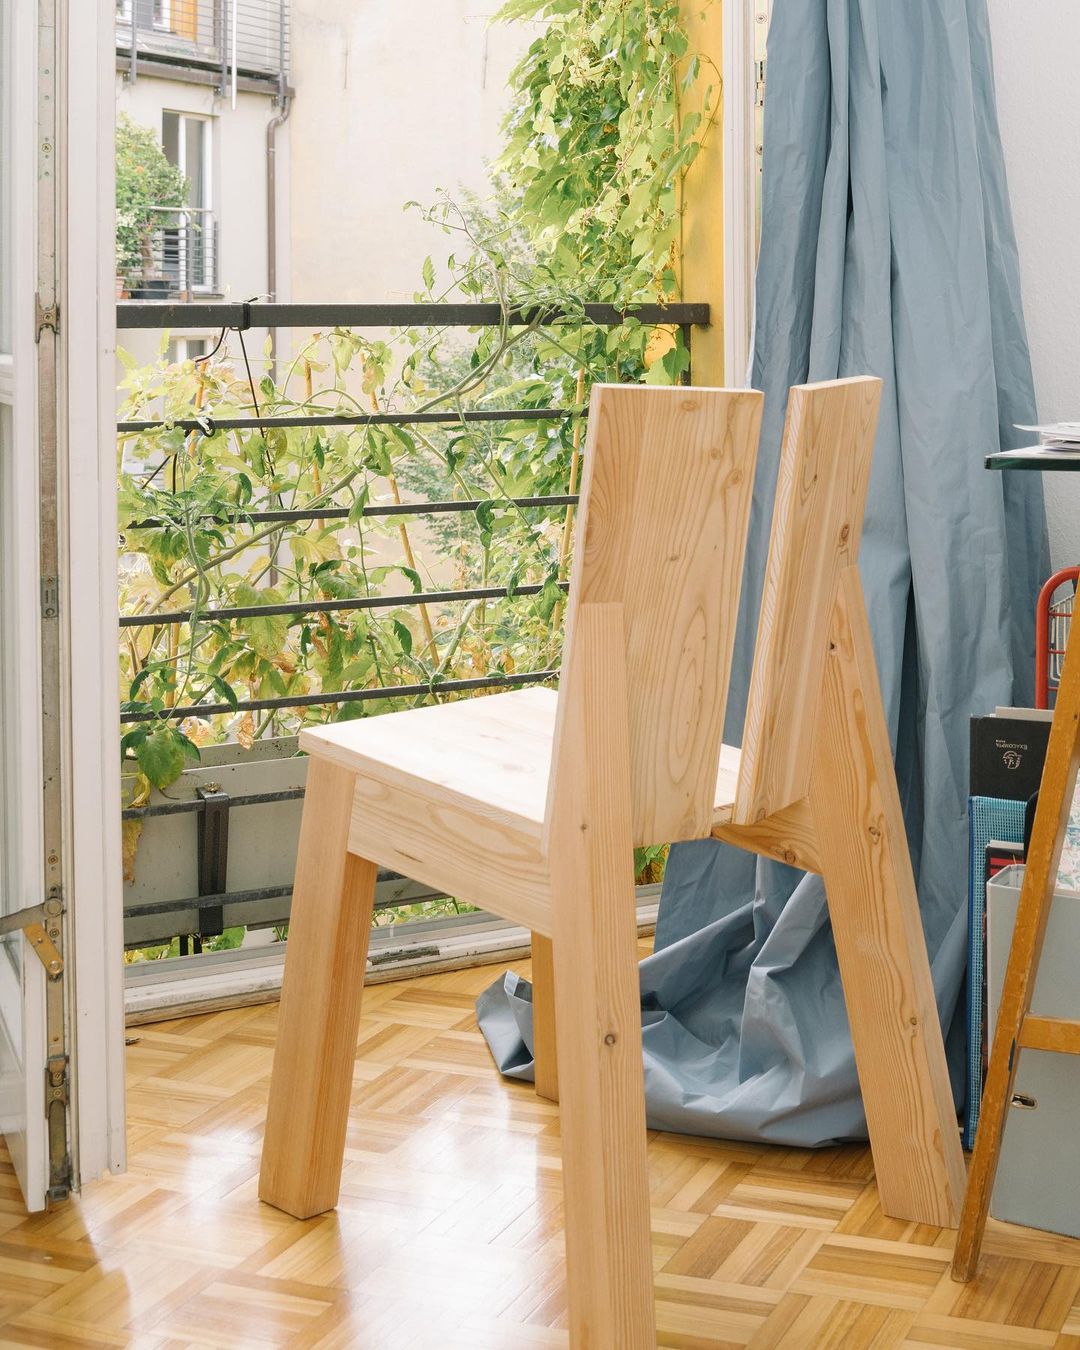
{"type": "Point", "coordinates": [266, 314]}
{"type": "Point", "coordinates": [198, 804]}
{"type": "Point", "coordinates": [208, 424]}
{"type": "Point", "coordinates": [301, 607]}
{"type": "Point", "coordinates": [342, 696]}
{"type": "Point", "coordinates": [368, 512]}
{"type": "Point", "coordinates": [240, 898]}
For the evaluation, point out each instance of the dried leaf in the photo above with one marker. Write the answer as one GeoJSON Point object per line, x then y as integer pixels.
{"type": "Point", "coordinates": [197, 729]}
{"type": "Point", "coordinates": [130, 832]}
{"type": "Point", "coordinates": [245, 731]}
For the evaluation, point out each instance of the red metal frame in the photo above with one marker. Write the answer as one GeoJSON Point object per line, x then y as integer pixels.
{"type": "Point", "coordinates": [1044, 612]}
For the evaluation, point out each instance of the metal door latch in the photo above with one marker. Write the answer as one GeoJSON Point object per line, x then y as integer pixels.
{"type": "Point", "coordinates": [35, 922]}
{"type": "Point", "coordinates": [46, 316]}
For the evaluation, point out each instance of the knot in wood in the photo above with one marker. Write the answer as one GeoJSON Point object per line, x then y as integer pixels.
{"type": "Point", "coordinates": [610, 1038]}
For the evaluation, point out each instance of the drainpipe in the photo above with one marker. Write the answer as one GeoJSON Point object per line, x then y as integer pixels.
{"type": "Point", "coordinates": [284, 103]}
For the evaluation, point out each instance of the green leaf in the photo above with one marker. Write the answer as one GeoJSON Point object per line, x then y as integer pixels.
{"type": "Point", "coordinates": [266, 635]}
{"type": "Point", "coordinates": [428, 273]}
{"type": "Point", "coordinates": [404, 636]}
{"type": "Point", "coordinates": [162, 756]}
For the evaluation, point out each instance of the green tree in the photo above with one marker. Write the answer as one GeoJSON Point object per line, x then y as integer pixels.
{"type": "Point", "coordinates": [145, 183]}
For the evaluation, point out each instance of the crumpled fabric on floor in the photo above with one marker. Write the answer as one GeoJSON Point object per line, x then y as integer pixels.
{"type": "Point", "coordinates": [887, 249]}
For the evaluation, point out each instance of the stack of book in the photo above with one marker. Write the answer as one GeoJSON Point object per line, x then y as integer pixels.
{"type": "Point", "coordinates": [1007, 754]}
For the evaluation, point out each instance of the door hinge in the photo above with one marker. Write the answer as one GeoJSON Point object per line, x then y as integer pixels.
{"type": "Point", "coordinates": [45, 316]}
{"type": "Point", "coordinates": [50, 597]}
{"type": "Point", "coordinates": [41, 926]}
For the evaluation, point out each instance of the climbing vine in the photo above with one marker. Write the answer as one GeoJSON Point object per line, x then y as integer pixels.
{"type": "Point", "coordinates": [607, 111]}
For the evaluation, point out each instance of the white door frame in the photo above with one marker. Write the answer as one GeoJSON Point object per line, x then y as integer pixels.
{"type": "Point", "coordinates": [89, 600]}
{"type": "Point", "coordinates": [22, 984]}
{"type": "Point", "coordinates": [740, 176]}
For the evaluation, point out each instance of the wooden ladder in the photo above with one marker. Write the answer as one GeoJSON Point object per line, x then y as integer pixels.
{"type": "Point", "coordinates": [1017, 1028]}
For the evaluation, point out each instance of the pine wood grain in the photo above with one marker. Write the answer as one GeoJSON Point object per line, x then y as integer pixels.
{"type": "Point", "coordinates": [878, 932]}
{"type": "Point", "coordinates": [662, 531]}
{"type": "Point", "coordinates": [789, 836]}
{"type": "Point", "coordinates": [598, 1028]}
{"type": "Point", "coordinates": [332, 904]}
{"type": "Point", "coordinates": [816, 528]}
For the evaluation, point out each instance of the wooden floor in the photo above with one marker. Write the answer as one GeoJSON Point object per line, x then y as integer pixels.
{"type": "Point", "coordinates": [448, 1232]}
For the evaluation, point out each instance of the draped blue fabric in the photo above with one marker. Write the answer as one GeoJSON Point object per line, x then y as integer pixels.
{"type": "Point", "coordinates": [887, 248]}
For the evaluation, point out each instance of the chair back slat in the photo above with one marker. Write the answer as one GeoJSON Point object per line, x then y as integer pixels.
{"type": "Point", "coordinates": [816, 527]}
{"type": "Point", "coordinates": [661, 531]}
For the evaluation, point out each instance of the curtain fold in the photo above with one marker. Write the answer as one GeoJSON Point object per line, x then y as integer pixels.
{"type": "Point", "coordinates": [887, 248]}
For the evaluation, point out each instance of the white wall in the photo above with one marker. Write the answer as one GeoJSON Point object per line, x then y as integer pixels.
{"type": "Point", "coordinates": [1036, 45]}
{"type": "Point", "coordinates": [394, 101]}
{"type": "Point", "coordinates": [238, 184]}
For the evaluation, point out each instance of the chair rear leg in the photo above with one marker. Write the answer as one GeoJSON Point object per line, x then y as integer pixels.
{"type": "Point", "coordinates": [319, 1017]}
{"type": "Point", "coordinates": [543, 1017]}
{"type": "Point", "coordinates": [880, 946]}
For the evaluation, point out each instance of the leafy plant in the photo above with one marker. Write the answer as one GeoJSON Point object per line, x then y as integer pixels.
{"type": "Point", "coordinates": [607, 113]}
{"type": "Point", "coordinates": [145, 183]}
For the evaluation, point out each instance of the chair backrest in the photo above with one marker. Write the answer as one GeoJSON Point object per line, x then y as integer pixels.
{"type": "Point", "coordinates": [816, 528]}
{"type": "Point", "coordinates": [661, 532]}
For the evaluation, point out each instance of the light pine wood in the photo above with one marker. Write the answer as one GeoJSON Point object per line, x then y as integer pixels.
{"type": "Point", "coordinates": [815, 788]}
{"type": "Point", "coordinates": [493, 752]}
{"type": "Point", "coordinates": [817, 525]}
{"type": "Point", "coordinates": [878, 932]}
{"type": "Point", "coordinates": [788, 836]}
{"type": "Point", "coordinates": [532, 803]}
{"type": "Point", "coordinates": [598, 1029]}
{"type": "Point", "coordinates": [545, 1054]}
{"type": "Point", "coordinates": [662, 531]}
{"type": "Point", "coordinates": [456, 846]}
{"type": "Point", "coordinates": [1015, 1027]}
{"type": "Point", "coordinates": [332, 903]}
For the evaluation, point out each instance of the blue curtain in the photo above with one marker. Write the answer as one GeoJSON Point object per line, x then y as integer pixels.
{"type": "Point", "coordinates": [887, 248]}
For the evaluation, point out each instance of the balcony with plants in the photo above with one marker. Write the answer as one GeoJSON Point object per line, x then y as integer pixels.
{"type": "Point", "coordinates": [383, 518]}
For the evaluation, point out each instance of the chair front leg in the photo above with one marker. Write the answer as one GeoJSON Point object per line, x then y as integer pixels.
{"type": "Point", "coordinates": [319, 1019]}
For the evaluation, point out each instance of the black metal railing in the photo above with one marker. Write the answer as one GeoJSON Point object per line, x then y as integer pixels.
{"type": "Point", "coordinates": [245, 42]}
{"type": "Point", "coordinates": [325, 317]}
{"type": "Point", "coordinates": [179, 255]}
{"type": "Point", "coordinates": [243, 316]}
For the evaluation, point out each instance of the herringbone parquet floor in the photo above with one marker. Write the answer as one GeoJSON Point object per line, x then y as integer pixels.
{"type": "Point", "coordinates": [448, 1233]}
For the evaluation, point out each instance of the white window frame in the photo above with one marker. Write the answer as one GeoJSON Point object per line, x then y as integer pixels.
{"type": "Point", "coordinates": [740, 185]}
{"type": "Point", "coordinates": [182, 342]}
{"type": "Point", "coordinates": [88, 449]}
{"type": "Point", "coordinates": [208, 148]}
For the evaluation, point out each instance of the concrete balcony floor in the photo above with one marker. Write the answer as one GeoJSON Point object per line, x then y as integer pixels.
{"type": "Point", "coordinates": [449, 1228]}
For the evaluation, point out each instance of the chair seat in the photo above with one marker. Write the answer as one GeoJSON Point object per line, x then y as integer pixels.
{"type": "Point", "coordinates": [491, 753]}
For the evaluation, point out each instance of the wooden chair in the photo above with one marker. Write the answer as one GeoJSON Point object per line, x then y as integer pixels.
{"type": "Point", "coordinates": [530, 804]}
{"type": "Point", "coordinates": [814, 786]}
